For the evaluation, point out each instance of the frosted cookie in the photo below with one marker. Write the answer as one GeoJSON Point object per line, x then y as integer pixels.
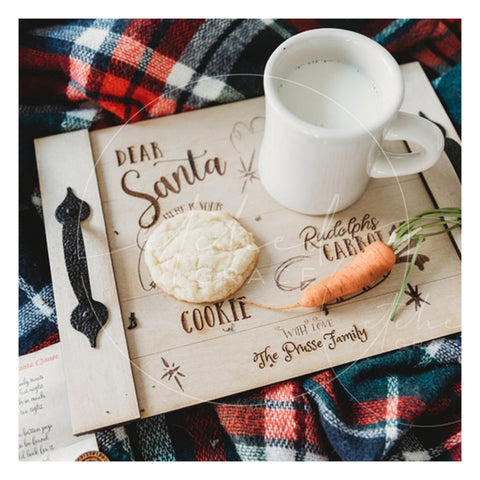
{"type": "Point", "coordinates": [201, 256]}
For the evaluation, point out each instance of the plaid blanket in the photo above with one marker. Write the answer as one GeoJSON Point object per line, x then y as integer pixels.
{"type": "Point", "coordinates": [403, 405]}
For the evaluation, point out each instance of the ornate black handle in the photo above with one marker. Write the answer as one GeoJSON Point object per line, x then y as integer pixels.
{"type": "Point", "coordinates": [89, 316]}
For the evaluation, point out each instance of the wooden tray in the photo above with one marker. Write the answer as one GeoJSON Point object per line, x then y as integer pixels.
{"type": "Point", "coordinates": [181, 354]}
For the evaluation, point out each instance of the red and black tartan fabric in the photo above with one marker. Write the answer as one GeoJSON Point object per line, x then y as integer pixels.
{"type": "Point", "coordinates": [403, 405]}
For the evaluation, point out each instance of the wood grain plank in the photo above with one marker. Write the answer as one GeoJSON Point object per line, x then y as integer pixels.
{"type": "Point", "coordinates": [99, 380]}
{"type": "Point", "coordinates": [441, 179]}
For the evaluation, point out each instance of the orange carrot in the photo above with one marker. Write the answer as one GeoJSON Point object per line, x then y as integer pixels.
{"type": "Point", "coordinates": [377, 260]}
{"type": "Point", "coordinates": [368, 266]}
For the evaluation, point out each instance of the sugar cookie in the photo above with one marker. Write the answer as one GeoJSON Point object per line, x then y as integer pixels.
{"type": "Point", "coordinates": [201, 256]}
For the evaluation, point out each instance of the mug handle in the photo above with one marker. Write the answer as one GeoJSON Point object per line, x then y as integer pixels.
{"type": "Point", "coordinates": [407, 126]}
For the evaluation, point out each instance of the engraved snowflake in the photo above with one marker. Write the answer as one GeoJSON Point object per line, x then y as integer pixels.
{"type": "Point", "coordinates": [248, 173]}
{"type": "Point", "coordinates": [415, 296]}
{"type": "Point", "coordinates": [172, 372]}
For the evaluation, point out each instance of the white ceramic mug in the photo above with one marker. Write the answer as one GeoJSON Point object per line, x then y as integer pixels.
{"type": "Point", "coordinates": [316, 170]}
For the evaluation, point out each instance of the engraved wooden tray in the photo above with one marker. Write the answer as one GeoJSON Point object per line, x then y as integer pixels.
{"type": "Point", "coordinates": [180, 354]}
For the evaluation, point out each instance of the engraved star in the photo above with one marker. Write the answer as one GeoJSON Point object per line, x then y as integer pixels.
{"type": "Point", "coordinates": [248, 173]}
{"type": "Point", "coordinates": [172, 372]}
{"type": "Point", "coordinates": [415, 296]}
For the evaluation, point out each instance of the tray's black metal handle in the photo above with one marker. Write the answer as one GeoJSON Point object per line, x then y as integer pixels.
{"type": "Point", "coordinates": [89, 316]}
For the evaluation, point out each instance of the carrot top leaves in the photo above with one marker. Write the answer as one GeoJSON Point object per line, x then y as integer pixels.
{"type": "Point", "coordinates": [429, 223]}
{"type": "Point", "coordinates": [419, 227]}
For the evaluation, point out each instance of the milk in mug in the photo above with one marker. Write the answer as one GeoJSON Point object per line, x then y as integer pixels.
{"type": "Point", "coordinates": [330, 94]}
